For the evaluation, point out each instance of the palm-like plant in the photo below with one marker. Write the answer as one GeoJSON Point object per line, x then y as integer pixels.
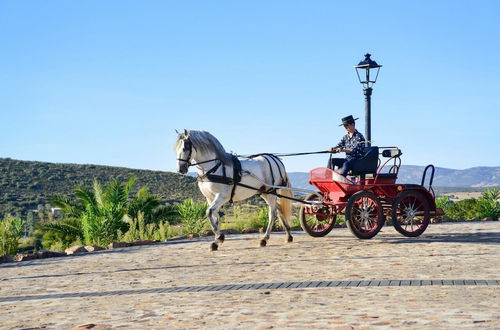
{"type": "Point", "coordinates": [70, 207]}
{"type": "Point", "coordinates": [99, 210]}
{"type": "Point", "coordinates": [68, 230]}
{"type": "Point", "coordinates": [103, 211]}
{"type": "Point", "coordinates": [166, 213]}
{"type": "Point", "coordinates": [144, 202]}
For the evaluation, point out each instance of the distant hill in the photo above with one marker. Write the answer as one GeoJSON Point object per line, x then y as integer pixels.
{"type": "Point", "coordinates": [24, 185]}
{"type": "Point", "coordinates": [479, 177]}
{"type": "Point", "coordinates": [476, 177]}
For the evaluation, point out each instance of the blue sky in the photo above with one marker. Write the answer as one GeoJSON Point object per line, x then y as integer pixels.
{"type": "Point", "coordinates": [108, 82]}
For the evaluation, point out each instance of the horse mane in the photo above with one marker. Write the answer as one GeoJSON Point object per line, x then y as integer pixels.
{"type": "Point", "coordinates": [204, 143]}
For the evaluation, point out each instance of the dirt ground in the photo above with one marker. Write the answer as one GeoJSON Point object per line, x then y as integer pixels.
{"type": "Point", "coordinates": [458, 196]}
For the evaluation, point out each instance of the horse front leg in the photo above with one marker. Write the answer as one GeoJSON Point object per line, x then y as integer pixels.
{"type": "Point", "coordinates": [214, 217]}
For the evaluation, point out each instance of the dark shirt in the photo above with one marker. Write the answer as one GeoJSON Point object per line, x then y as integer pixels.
{"type": "Point", "coordinates": [356, 144]}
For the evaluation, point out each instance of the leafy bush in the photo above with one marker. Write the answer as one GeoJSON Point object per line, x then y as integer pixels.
{"type": "Point", "coordinates": [59, 235]}
{"type": "Point", "coordinates": [29, 244]}
{"type": "Point", "coordinates": [443, 201]}
{"type": "Point", "coordinates": [260, 219]}
{"type": "Point", "coordinates": [483, 207]}
{"type": "Point", "coordinates": [192, 215]}
{"type": "Point", "coordinates": [140, 230]}
{"type": "Point", "coordinates": [52, 241]}
{"type": "Point", "coordinates": [465, 209]}
{"type": "Point", "coordinates": [10, 232]}
{"type": "Point", "coordinates": [340, 220]}
{"type": "Point", "coordinates": [255, 217]}
{"type": "Point", "coordinates": [489, 206]}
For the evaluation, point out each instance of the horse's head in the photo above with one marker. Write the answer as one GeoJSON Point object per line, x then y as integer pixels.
{"type": "Point", "coordinates": [184, 151]}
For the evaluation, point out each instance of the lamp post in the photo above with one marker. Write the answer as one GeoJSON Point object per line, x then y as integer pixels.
{"type": "Point", "coordinates": [363, 71]}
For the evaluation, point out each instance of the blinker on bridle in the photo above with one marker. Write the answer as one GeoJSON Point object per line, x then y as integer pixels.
{"type": "Point", "coordinates": [187, 144]}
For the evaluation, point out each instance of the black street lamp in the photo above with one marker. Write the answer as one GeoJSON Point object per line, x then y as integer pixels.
{"type": "Point", "coordinates": [364, 78]}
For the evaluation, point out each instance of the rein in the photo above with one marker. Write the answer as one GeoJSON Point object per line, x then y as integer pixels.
{"type": "Point", "coordinates": [285, 155]}
{"type": "Point", "coordinates": [194, 164]}
{"type": "Point", "coordinates": [235, 181]}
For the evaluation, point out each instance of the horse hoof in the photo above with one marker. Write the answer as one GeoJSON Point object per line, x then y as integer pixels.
{"type": "Point", "coordinates": [289, 239]}
{"type": "Point", "coordinates": [214, 247]}
{"type": "Point", "coordinates": [263, 242]}
{"type": "Point", "coordinates": [221, 238]}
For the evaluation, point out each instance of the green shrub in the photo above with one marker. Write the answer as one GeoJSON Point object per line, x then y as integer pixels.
{"type": "Point", "coordinates": [294, 222]}
{"type": "Point", "coordinates": [442, 202]}
{"type": "Point", "coordinates": [192, 215]}
{"type": "Point", "coordinates": [243, 218]}
{"type": "Point", "coordinates": [10, 232]}
{"type": "Point", "coordinates": [340, 220]}
{"type": "Point", "coordinates": [140, 230]}
{"type": "Point", "coordinates": [465, 209]}
{"type": "Point", "coordinates": [259, 219]}
{"type": "Point", "coordinates": [489, 206]}
{"type": "Point", "coordinates": [27, 244]}
{"type": "Point", "coordinates": [59, 235]}
{"type": "Point", "coordinates": [486, 206]}
{"type": "Point", "coordinates": [102, 229]}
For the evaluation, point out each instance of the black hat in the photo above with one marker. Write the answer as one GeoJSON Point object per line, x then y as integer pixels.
{"type": "Point", "coordinates": [348, 120]}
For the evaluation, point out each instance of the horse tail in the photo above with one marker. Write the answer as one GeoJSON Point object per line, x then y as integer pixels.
{"type": "Point", "coordinates": [285, 204]}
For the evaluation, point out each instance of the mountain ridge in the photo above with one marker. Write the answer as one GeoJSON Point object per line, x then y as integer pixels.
{"type": "Point", "coordinates": [474, 177]}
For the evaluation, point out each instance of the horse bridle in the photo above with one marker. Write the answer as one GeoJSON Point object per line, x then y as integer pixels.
{"type": "Point", "coordinates": [189, 144]}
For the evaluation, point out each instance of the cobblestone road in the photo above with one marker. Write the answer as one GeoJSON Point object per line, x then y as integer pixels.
{"type": "Point", "coordinates": [447, 278]}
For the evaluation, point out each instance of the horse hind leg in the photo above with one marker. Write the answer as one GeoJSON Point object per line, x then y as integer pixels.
{"type": "Point", "coordinates": [271, 201]}
{"type": "Point", "coordinates": [284, 222]}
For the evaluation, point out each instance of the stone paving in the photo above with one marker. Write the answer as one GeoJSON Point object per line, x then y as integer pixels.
{"type": "Point", "coordinates": [448, 278]}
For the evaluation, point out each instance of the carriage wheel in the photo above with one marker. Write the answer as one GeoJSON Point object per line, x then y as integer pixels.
{"type": "Point", "coordinates": [316, 220]}
{"type": "Point", "coordinates": [364, 214]}
{"type": "Point", "coordinates": [410, 213]}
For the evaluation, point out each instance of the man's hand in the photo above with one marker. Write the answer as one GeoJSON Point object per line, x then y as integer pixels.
{"type": "Point", "coordinates": [347, 151]}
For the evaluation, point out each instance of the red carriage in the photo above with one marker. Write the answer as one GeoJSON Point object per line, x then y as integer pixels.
{"type": "Point", "coordinates": [368, 197]}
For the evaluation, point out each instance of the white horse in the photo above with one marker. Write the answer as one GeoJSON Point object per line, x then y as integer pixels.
{"type": "Point", "coordinates": [215, 169]}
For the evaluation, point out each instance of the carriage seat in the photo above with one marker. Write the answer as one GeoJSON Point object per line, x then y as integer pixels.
{"type": "Point", "coordinates": [368, 164]}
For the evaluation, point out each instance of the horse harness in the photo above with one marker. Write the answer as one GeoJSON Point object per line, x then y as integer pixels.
{"type": "Point", "coordinates": [235, 180]}
{"type": "Point", "coordinates": [224, 179]}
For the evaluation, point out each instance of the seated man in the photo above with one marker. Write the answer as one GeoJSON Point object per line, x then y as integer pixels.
{"type": "Point", "coordinates": [353, 144]}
